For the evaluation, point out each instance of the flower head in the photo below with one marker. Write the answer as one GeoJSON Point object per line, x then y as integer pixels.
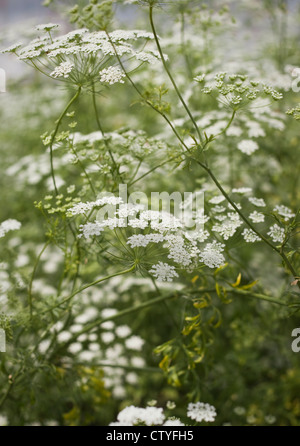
{"type": "Point", "coordinates": [201, 412]}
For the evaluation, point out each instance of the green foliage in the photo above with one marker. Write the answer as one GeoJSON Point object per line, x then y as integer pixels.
{"type": "Point", "coordinates": [99, 316]}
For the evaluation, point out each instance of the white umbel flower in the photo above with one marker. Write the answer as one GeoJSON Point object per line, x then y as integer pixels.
{"type": "Point", "coordinates": [9, 225]}
{"type": "Point", "coordinates": [247, 146]}
{"type": "Point", "coordinates": [257, 217]}
{"type": "Point", "coordinates": [212, 255]}
{"type": "Point", "coordinates": [174, 422]}
{"type": "Point", "coordinates": [284, 211]}
{"type": "Point", "coordinates": [132, 416]}
{"type": "Point", "coordinates": [163, 272]}
{"type": "Point", "coordinates": [276, 233]}
{"type": "Point", "coordinates": [250, 236]}
{"type": "Point", "coordinates": [47, 27]}
{"type": "Point", "coordinates": [62, 70]}
{"type": "Point", "coordinates": [112, 75]}
{"type": "Point", "coordinates": [201, 412]}
{"type": "Point", "coordinates": [259, 202]}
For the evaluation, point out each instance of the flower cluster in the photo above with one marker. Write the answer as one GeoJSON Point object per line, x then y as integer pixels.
{"type": "Point", "coordinates": [180, 246]}
{"type": "Point", "coordinates": [133, 416]}
{"type": "Point", "coordinates": [112, 75]}
{"type": "Point", "coordinates": [62, 70]}
{"type": "Point", "coordinates": [235, 90]}
{"type": "Point", "coordinates": [201, 412]}
{"type": "Point", "coordinates": [154, 416]}
{"type": "Point", "coordinates": [80, 52]}
{"type": "Point", "coordinates": [9, 225]}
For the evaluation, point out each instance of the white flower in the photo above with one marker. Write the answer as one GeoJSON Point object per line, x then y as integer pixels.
{"type": "Point", "coordinates": [218, 209]}
{"type": "Point", "coordinates": [9, 225]}
{"type": "Point", "coordinates": [250, 236]}
{"type": "Point", "coordinates": [228, 228]}
{"type": "Point", "coordinates": [173, 422]}
{"type": "Point", "coordinates": [132, 416]}
{"type": "Point", "coordinates": [216, 200]}
{"type": "Point", "coordinates": [47, 27]}
{"type": "Point", "coordinates": [122, 331]}
{"type": "Point", "coordinates": [201, 412]}
{"type": "Point", "coordinates": [247, 146]}
{"type": "Point", "coordinates": [255, 130]}
{"type": "Point", "coordinates": [107, 337]}
{"type": "Point", "coordinates": [257, 217]}
{"type": "Point", "coordinates": [3, 420]}
{"type": "Point", "coordinates": [242, 190]}
{"type": "Point", "coordinates": [90, 229]}
{"type": "Point", "coordinates": [284, 211]}
{"type": "Point", "coordinates": [75, 347]}
{"type": "Point", "coordinates": [132, 378]}
{"type": "Point", "coordinates": [62, 70]}
{"type": "Point", "coordinates": [64, 336]}
{"type": "Point", "coordinates": [138, 240]}
{"type": "Point", "coordinates": [88, 314]}
{"type": "Point", "coordinates": [134, 343]}
{"type": "Point", "coordinates": [212, 255]}
{"type": "Point", "coordinates": [108, 312]}
{"type": "Point", "coordinates": [199, 78]}
{"type": "Point", "coordinates": [129, 210]}
{"type": "Point", "coordinates": [44, 345]}
{"type": "Point", "coordinates": [108, 325]}
{"type": "Point", "coordinates": [12, 48]}
{"type": "Point", "coordinates": [81, 208]}
{"type": "Point", "coordinates": [234, 131]}
{"type": "Point", "coordinates": [112, 75]}
{"type": "Point", "coordinates": [276, 233]}
{"type": "Point", "coordinates": [259, 202]}
{"type": "Point", "coordinates": [163, 272]}
{"type": "Point", "coordinates": [137, 361]}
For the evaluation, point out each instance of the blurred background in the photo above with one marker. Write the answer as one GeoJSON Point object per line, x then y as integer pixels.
{"type": "Point", "coordinates": [18, 18]}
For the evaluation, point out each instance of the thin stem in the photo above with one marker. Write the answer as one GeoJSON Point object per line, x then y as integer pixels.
{"type": "Point", "coordinates": [122, 313]}
{"type": "Point", "coordinates": [257, 296]}
{"type": "Point", "coordinates": [33, 275]}
{"type": "Point", "coordinates": [9, 388]}
{"type": "Point", "coordinates": [170, 75]}
{"type": "Point", "coordinates": [103, 134]}
{"type": "Point", "coordinates": [84, 170]}
{"type": "Point", "coordinates": [124, 367]}
{"type": "Point", "coordinates": [248, 222]}
{"type": "Point", "coordinates": [143, 98]}
{"type": "Point", "coordinates": [183, 46]}
{"type": "Point", "coordinates": [120, 273]}
{"type": "Point", "coordinates": [153, 169]}
{"type": "Point", "coordinates": [55, 133]}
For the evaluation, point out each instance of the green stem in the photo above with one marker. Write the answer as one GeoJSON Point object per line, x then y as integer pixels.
{"type": "Point", "coordinates": [204, 166]}
{"type": "Point", "coordinates": [153, 169]}
{"type": "Point", "coordinates": [124, 367]}
{"type": "Point", "coordinates": [143, 98]}
{"type": "Point", "coordinates": [122, 313]}
{"type": "Point", "coordinates": [257, 296]}
{"type": "Point", "coordinates": [33, 275]}
{"type": "Point", "coordinates": [117, 169]}
{"type": "Point", "coordinates": [96, 282]}
{"type": "Point", "coordinates": [248, 222]}
{"type": "Point", "coordinates": [170, 75]}
{"type": "Point", "coordinates": [84, 170]}
{"type": "Point", "coordinates": [55, 133]}
{"type": "Point", "coordinates": [9, 388]}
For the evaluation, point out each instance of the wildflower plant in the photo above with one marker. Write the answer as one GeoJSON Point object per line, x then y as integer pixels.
{"type": "Point", "coordinates": [107, 291]}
